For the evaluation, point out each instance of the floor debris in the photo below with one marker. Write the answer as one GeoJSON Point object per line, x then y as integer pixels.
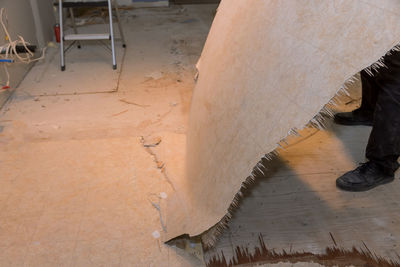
{"type": "Point", "coordinates": [157, 206]}
{"type": "Point", "coordinates": [119, 113]}
{"type": "Point", "coordinates": [152, 142]}
{"type": "Point", "coordinates": [133, 103]}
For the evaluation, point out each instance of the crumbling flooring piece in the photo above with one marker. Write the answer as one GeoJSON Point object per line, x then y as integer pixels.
{"type": "Point", "coordinates": [169, 157]}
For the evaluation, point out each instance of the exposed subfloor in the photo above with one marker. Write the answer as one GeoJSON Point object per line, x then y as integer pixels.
{"type": "Point", "coordinates": [77, 185]}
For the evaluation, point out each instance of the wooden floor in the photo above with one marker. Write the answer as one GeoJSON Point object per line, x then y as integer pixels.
{"type": "Point", "coordinates": [296, 207]}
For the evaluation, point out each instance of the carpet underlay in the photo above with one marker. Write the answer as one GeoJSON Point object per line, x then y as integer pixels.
{"type": "Point", "coordinates": [268, 69]}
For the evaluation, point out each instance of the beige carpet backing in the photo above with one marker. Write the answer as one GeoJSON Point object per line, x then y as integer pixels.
{"type": "Point", "coordinates": [268, 68]}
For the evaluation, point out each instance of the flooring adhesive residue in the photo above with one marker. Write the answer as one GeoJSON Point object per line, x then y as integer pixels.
{"type": "Point", "coordinates": [334, 256]}
{"type": "Point", "coordinates": [268, 69]}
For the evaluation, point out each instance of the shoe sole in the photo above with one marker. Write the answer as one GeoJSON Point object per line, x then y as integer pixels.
{"type": "Point", "coordinates": [352, 123]}
{"type": "Point", "coordinates": [365, 188]}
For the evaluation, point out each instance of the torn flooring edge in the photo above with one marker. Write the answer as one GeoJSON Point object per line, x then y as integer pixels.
{"type": "Point", "coordinates": [333, 256]}
{"type": "Point", "coordinates": [381, 62]}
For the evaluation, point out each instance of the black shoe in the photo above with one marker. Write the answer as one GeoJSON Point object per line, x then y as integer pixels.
{"type": "Point", "coordinates": [365, 177]}
{"type": "Point", "coordinates": [356, 117]}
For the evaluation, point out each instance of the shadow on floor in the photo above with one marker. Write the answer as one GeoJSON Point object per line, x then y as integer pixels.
{"type": "Point", "coordinates": [296, 207]}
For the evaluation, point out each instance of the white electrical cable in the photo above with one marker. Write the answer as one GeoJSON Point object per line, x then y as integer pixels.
{"type": "Point", "coordinates": [11, 47]}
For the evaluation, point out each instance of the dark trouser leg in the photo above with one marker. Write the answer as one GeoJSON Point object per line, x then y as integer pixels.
{"type": "Point", "coordinates": [365, 113]}
{"type": "Point", "coordinates": [384, 142]}
{"type": "Point", "coordinates": [369, 93]}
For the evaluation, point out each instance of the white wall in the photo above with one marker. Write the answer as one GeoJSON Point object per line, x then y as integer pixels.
{"type": "Point", "coordinates": [33, 20]}
{"type": "Point", "coordinates": [20, 22]}
{"type": "Point", "coordinates": [43, 15]}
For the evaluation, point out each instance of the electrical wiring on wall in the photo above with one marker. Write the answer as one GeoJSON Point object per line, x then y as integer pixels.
{"type": "Point", "coordinates": [9, 53]}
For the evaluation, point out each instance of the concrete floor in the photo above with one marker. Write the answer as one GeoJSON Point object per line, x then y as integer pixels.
{"type": "Point", "coordinates": [78, 187]}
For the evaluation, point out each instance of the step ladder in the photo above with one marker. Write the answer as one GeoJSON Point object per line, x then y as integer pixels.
{"type": "Point", "coordinates": [87, 37]}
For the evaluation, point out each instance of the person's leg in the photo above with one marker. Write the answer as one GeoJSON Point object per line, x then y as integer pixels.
{"type": "Point", "coordinates": [369, 92]}
{"type": "Point", "coordinates": [384, 142]}
{"type": "Point", "coordinates": [364, 114]}
{"type": "Point", "coordinates": [383, 147]}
